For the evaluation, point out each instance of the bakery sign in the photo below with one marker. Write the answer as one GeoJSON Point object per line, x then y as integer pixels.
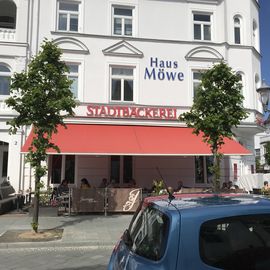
{"type": "Point", "coordinates": [136, 112]}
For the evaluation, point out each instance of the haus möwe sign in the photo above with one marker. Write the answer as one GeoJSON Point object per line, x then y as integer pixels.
{"type": "Point", "coordinates": [136, 112]}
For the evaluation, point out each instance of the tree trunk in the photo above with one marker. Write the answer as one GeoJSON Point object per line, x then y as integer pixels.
{"type": "Point", "coordinates": [36, 205]}
{"type": "Point", "coordinates": [216, 171]}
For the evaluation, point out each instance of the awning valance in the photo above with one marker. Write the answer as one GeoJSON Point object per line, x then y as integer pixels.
{"type": "Point", "coordinates": [82, 139]}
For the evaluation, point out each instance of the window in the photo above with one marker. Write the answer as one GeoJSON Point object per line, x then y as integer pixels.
{"type": "Point", "coordinates": [121, 169]}
{"type": "Point", "coordinates": [4, 80]}
{"type": "Point", "coordinates": [197, 77]}
{"type": "Point", "coordinates": [8, 12]}
{"type": "Point", "coordinates": [202, 26]}
{"type": "Point", "coordinates": [255, 35]}
{"type": "Point", "coordinates": [63, 167]}
{"type": "Point", "coordinates": [74, 76]}
{"type": "Point", "coordinates": [235, 171]}
{"type": "Point", "coordinates": [148, 232]}
{"type": "Point", "coordinates": [203, 174]}
{"type": "Point", "coordinates": [241, 77]}
{"type": "Point", "coordinates": [70, 168]}
{"type": "Point", "coordinates": [237, 30]}
{"type": "Point", "coordinates": [122, 84]}
{"type": "Point", "coordinates": [56, 169]}
{"type": "Point", "coordinates": [122, 21]}
{"type": "Point", "coordinates": [240, 242]}
{"type": "Point", "coordinates": [5, 164]}
{"type": "Point", "coordinates": [68, 16]}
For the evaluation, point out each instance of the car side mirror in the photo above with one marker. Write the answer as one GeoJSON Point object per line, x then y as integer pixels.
{"type": "Point", "coordinates": [127, 238]}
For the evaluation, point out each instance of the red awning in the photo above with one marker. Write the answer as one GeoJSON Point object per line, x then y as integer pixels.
{"type": "Point", "coordinates": [133, 140]}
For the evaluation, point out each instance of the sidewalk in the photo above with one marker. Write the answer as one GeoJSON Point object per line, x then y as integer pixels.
{"type": "Point", "coordinates": [97, 231]}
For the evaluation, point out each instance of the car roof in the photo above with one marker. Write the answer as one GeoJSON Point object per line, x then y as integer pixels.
{"type": "Point", "coordinates": [207, 200]}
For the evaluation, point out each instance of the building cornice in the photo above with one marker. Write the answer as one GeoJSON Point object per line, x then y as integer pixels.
{"type": "Point", "coordinates": [173, 41]}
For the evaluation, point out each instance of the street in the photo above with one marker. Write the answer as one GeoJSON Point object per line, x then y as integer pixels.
{"type": "Point", "coordinates": [55, 258]}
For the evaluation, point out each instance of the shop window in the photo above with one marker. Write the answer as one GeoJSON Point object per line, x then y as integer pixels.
{"type": "Point", "coordinates": [56, 169]}
{"type": "Point", "coordinates": [127, 169]}
{"type": "Point", "coordinates": [74, 76]}
{"type": "Point", "coordinates": [202, 26]}
{"type": "Point", "coordinates": [122, 84]}
{"type": "Point", "coordinates": [5, 75]}
{"type": "Point", "coordinates": [121, 169]}
{"type": "Point", "coordinates": [70, 169]}
{"type": "Point", "coordinates": [68, 16]}
{"type": "Point", "coordinates": [252, 169]}
{"type": "Point", "coordinates": [63, 167]}
{"type": "Point", "coordinates": [235, 171]}
{"type": "Point", "coordinates": [115, 169]}
{"type": "Point", "coordinates": [8, 12]}
{"type": "Point", "coordinates": [203, 174]}
{"type": "Point", "coordinates": [122, 21]}
{"type": "Point", "coordinates": [5, 164]}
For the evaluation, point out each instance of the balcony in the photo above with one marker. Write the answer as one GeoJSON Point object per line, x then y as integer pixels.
{"type": "Point", "coordinates": [7, 34]}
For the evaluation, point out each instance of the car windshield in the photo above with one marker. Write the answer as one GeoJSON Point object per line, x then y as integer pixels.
{"type": "Point", "coordinates": [241, 242]}
{"type": "Point", "coordinates": [148, 232]}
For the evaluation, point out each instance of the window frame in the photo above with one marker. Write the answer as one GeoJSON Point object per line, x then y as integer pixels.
{"type": "Point", "coordinates": [136, 229]}
{"type": "Point", "coordinates": [234, 237]}
{"type": "Point", "coordinates": [237, 26]}
{"type": "Point", "coordinates": [68, 13]}
{"type": "Point", "coordinates": [62, 170]}
{"type": "Point", "coordinates": [122, 169]}
{"type": "Point", "coordinates": [122, 78]}
{"type": "Point", "coordinates": [76, 75]}
{"type": "Point", "coordinates": [195, 81]}
{"type": "Point", "coordinates": [7, 75]}
{"type": "Point", "coordinates": [202, 24]}
{"type": "Point", "coordinates": [123, 19]}
{"type": "Point", "coordinates": [206, 175]}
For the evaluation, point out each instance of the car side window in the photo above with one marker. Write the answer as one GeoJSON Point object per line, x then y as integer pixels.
{"type": "Point", "coordinates": [241, 242]}
{"type": "Point", "coordinates": [149, 233]}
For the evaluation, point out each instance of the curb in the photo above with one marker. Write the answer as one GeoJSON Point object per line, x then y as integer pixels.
{"type": "Point", "coordinates": [55, 244]}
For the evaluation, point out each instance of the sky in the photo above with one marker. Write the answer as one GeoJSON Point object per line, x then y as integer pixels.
{"type": "Point", "coordinates": [265, 39]}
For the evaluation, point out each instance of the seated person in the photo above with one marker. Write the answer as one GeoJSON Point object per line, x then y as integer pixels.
{"type": "Point", "coordinates": [63, 188]}
{"type": "Point", "coordinates": [104, 183]}
{"type": "Point", "coordinates": [84, 183]}
{"type": "Point", "coordinates": [265, 188]}
{"type": "Point", "coordinates": [132, 183]}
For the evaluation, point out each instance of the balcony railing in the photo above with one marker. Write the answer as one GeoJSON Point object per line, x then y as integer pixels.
{"type": "Point", "coordinates": [7, 34]}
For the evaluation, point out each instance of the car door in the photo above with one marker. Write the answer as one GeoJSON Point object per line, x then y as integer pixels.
{"type": "Point", "coordinates": [148, 247]}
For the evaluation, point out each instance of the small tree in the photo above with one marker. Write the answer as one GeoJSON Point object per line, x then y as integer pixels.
{"type": "Point", "coordinates": [42, 97]}
{"type": "Point", "coordinates": [217, 108]}
{"type": "Point", "coordinates": [267, 153]}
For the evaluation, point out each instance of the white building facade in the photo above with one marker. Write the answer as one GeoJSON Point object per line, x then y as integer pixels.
{"type": "Point", "coordinates": [134, 63]}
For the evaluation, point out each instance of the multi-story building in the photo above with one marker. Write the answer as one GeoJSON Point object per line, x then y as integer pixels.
{"type": "Point", "coordinates": [135, 65]}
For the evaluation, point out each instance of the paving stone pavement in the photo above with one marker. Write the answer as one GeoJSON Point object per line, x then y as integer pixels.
{"type": "Point", "coordinates": [55, 258]}
{"type": "Point", "coordinates": [82, 230]}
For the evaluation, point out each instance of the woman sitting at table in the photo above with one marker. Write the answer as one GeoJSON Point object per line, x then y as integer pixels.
{"type": "Point", "coordinates": [85, 184]}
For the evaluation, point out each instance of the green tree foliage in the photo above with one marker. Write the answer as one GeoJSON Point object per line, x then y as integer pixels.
{"type": "Point", "coordinates": [217, 108]}
{"type": "Point", "coordinates": [267, 153]}
{"type": "Point", "coordinates": [42, 97]}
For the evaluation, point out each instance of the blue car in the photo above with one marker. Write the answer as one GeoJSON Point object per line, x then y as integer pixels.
{"type": "Point", "coordinates": [197, 232]}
